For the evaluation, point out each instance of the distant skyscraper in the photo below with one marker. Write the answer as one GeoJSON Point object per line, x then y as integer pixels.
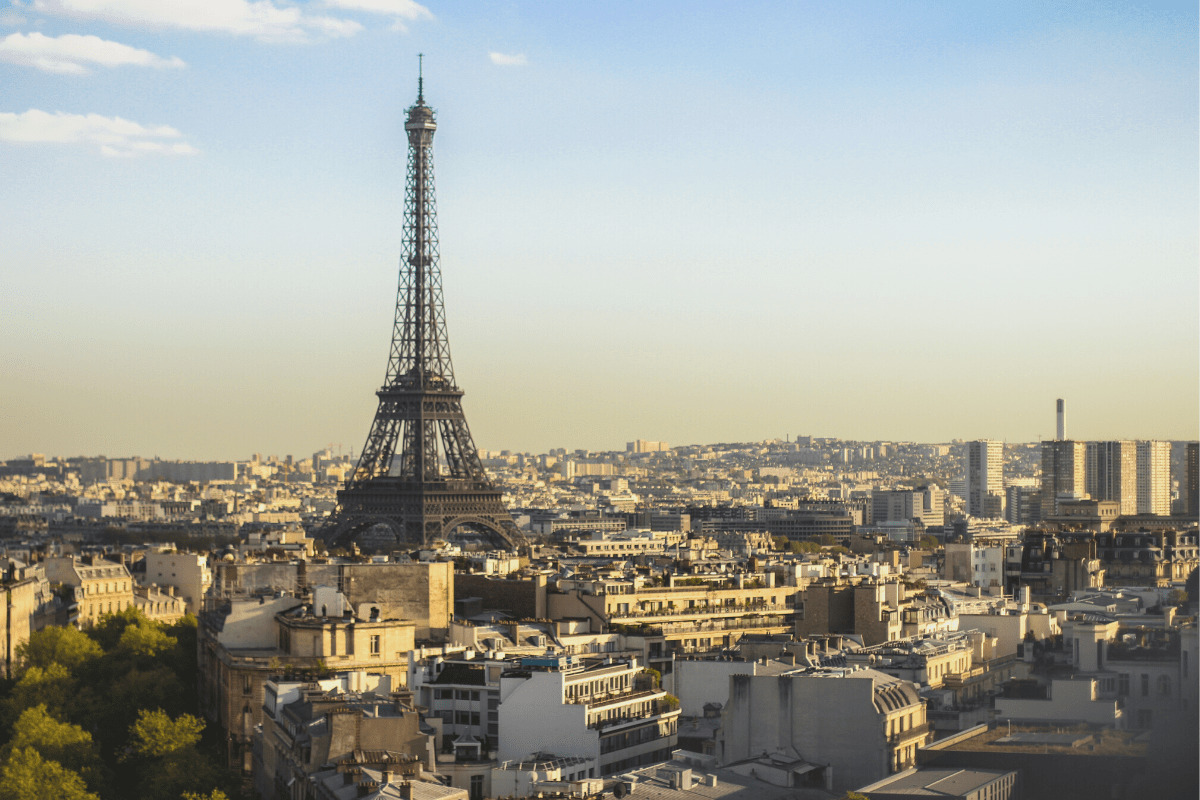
{"type": "Point", "coordinates": [1063, 473]}
{"type": "Point", "coordinates": [1191, 480]}
{"type": "Point", "coordinates": [1061, 427]}
{"type": "Point", "coordinates": [985, 478]}
{"type": "Point", "coordinates": [1111, 473]}
{"type": "Point", "coordinates": [1154, 478]}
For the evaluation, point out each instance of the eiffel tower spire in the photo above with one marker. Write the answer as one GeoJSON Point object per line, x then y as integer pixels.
{"type": "Point", "coordinates": [419, 476]}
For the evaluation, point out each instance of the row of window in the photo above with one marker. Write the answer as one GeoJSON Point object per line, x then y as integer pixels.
{"type": "Point", "coordinates": [94, 588]}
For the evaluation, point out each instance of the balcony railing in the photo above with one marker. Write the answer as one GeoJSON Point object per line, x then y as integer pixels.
{"type": "Point", "coordinates": [700, 611]}
{"type": "Point", "coordinates": [912, 733]}
{"type": "Point", "coordinates": [613, 698]}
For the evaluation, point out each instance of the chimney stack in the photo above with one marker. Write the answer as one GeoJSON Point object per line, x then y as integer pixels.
{"type": "Point", "coordinates": [1062, 422]}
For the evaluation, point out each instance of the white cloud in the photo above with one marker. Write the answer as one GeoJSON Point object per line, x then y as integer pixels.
{"type": "Point", "coordinates": [508, 59]}
{"type": "Point", "coordinates": [72, 54]}
{"type": "Point", "coordinates": [113, 135]}
{"type": "Point", "coordinates": [263, 19]}
{"type": "Point", "coordinates": [400, 11]}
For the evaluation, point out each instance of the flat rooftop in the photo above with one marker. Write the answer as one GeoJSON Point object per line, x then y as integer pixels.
{"type": "Point", "coordinates": [1061, 739]}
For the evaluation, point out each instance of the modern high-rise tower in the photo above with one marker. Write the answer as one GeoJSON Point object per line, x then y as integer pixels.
{"type": "Point", "coordinates": [419, 476]}
{"type": "Point", "coordinates": [1063, 473]}
{"type": "Point", "coordinates": [1111, 473]}
{"type": "Point", "coordinates": [1154, 478]}
{"type": "Point", "coordinates": [985, 479]}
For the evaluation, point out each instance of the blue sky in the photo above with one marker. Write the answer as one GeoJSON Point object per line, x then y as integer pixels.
{"type": "Point", "coordinates": [680, 221]}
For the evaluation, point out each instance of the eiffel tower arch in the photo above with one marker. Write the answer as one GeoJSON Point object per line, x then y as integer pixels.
{"type": "Point", "coordinates": [419, 476]}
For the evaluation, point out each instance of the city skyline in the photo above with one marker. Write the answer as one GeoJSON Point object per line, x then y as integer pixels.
{"type": "Point", "coordinates": [679, 223]}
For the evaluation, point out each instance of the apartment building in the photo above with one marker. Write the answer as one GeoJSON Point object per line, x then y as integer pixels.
{"type": "Point", "coordinates": [858, 725]}
{"type": "Point", "coordinates": [101, 586]}
{"type": "Point", "coordinates": [246, 642]}
{"type": "Point", "coordinates": [608, 710]}
{"type": "Point", "coordinates": [679, 615]}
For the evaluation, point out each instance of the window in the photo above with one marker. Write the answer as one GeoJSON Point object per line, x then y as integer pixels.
{"type": "Point", "coordinates": [1145, 685]}
{"type": "Point", "coordinates": [375, 644]}
{"type": "Point", "coordinates": [476, 787]}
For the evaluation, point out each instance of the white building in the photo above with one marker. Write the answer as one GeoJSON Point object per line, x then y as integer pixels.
{"type": "Point", "coordinates": [606, 710]}
{"type": "Point", "coordinates": [985, 479]}
{"type": "Point", "coordinates": [187, 572]}
{"type": "Point", "coordinates": [858, 724]}
{"type": "Point", "coordinates": [1154, 478]}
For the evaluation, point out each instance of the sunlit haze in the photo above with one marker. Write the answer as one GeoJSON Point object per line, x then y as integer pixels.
{"type": "Point", "coordinates": [688, 222]}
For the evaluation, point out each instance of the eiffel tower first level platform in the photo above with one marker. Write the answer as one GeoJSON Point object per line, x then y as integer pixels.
{"type": "Point", "coordinates": [419, 477]}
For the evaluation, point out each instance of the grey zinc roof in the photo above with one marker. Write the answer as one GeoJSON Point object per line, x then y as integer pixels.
{"type": "Point", "coordinates": [933, 782]}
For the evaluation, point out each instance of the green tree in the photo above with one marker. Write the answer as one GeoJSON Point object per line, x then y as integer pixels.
{"type": "Point", "coordinates": [156, 735]}
{"type": "Point", "coordinates": [59, 741]}
{"type": "Point", "coordinates": [929, 542]}
{"type": "Point", "coordinates": [27, 776]}
{"type": "Point", "coordinates": [215, 794]}
{"type": "Point", "coordinates": [144, 641]}
{"type": "Point", "coordinates": [51, 687]}
{"type": "Point", "coordinates": [1177, 597]}
{"type": "Point", "coordinates": [69, 745]}
{"type": "Point", "coordinates": [108, 629]}
{"type": "Point", "coordinates": [66, 646]}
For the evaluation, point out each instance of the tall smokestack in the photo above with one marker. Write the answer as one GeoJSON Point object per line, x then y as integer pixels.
{"type": "Point", "coordinates": [1062, 422]}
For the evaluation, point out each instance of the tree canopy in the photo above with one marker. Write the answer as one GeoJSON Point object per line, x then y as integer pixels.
{"type": "Point", "coordinates": [106, 713]}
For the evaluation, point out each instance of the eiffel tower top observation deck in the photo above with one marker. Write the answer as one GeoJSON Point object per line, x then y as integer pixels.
{"type": "Point", "coordinates": [419, 476]}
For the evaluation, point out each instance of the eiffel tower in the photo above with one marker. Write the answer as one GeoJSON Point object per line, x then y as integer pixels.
{"type": "Point", "coordinates": [419, 476]}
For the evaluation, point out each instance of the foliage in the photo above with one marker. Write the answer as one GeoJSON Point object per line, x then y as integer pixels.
{"type": "Point", "coordinates": [215, 794]}
{"type": "Point", "coordinates": [121, 693]}
{"type": "Point", "coordinates": [50, 687]}
{"type": "Point", "coordinates": [655, 676]}
{"type": "Point", "coordinates": [854, 796]}
{"type": "Point", "coordinates": [27, 776]}
{"type": "Point", "coordinates": [59, 741]}
{"type": "Point", "coordinates": [109, 628]}
{"type": "Point", "coordinates": [670, 702]}
{"type": "Point", "coordinates": [66, 646]}
{"type": "Point", "coordinates": [156, 735]}
{"type": "Point", "coordinates": [929, 542]}
{"type": "Point", "coordinates": [1177, 597]}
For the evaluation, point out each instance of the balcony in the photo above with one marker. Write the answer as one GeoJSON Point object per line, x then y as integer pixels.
{"type": "Point", "coordinates": [667, 614]}
{"type": "Point", "coordinates": [916, 732]}
{"type": "Point", "coordinates": [614, 698]}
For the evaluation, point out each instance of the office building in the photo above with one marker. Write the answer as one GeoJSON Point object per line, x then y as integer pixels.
{"type": "Point", "coordinates": [985, 479]}
{"type": "Point", "coordinates": [1063, 473]}
{"type": "Point", "coordinates": [1154, 478]}
{"type": "Point", "coordinates": [1110, 473]}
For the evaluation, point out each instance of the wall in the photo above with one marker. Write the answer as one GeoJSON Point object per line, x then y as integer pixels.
{"type": "Point", "coordinates": [826, 720]}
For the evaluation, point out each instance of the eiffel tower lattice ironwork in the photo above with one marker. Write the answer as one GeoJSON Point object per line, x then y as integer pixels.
{"type": "Point", "coordinates": [419, 473]}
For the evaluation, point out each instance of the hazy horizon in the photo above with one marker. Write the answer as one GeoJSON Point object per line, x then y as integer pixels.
{"type": "Point", "coordinates": [686, 222]}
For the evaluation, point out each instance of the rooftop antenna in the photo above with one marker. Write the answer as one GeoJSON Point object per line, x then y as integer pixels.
{"type": "Point", "coordinates": [420, 78]}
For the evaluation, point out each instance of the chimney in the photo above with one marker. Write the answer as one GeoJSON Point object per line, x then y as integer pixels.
{"type": "Point", "coordinates": [1062, 422]}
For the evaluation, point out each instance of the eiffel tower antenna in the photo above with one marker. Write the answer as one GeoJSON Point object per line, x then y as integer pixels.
{"type": "Point", "coordinates": [419, 476]}
{"type": "Point", "coordinates": [420, 77]}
